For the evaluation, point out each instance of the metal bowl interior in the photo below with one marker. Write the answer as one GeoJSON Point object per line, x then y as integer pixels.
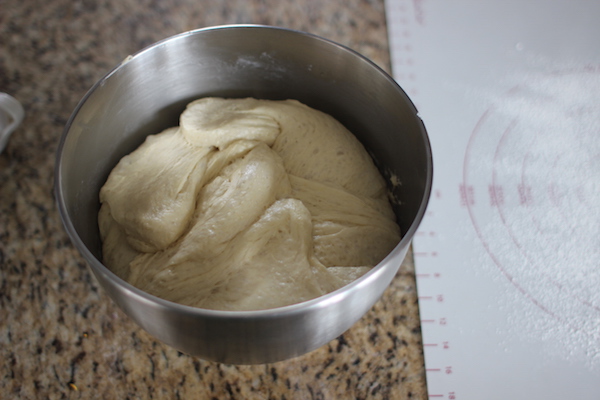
{"type": "Point", "coordinates": [148, 91]}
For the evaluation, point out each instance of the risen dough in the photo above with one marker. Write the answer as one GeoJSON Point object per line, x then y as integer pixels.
{"type": "Point", "coordinates": [248, 204]}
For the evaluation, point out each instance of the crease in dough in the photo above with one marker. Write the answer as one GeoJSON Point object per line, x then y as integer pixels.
{"type": "Point", "coordinates": [248, 204]}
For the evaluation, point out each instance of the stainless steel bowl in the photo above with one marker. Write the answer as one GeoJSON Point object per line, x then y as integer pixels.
{"type": "Point", "coordinates": [147, 92]}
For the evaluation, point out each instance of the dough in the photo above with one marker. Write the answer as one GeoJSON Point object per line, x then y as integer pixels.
{"type": "Point", "coordinates": [247, 204]}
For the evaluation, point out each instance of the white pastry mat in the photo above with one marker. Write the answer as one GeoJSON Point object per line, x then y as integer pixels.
{"type": "Point", "coordinates": [508, 255]}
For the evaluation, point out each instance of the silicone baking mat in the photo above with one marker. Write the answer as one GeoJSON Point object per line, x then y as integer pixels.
{"type": "Point", "coordinates": [508, 255]}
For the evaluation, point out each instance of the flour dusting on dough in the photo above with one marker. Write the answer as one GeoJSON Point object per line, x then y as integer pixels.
{"type": "Point", "coordinates": [247, 204]}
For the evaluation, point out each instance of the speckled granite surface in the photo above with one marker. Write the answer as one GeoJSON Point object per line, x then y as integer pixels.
{"type": "Point", "coordinates": [60, 335]}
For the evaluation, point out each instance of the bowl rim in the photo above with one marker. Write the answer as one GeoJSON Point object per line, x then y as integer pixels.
{"type": "Point", "coordinates": [319, 302]}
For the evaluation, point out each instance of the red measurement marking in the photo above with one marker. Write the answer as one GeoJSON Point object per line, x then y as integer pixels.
{"type": "Point", "coordinates": [525, 197]}
{"type": "Point", "coordinates": [433, 369]}
{"type": "Point", "coordinates": [436, 395]}
{"type": "Point", "coordinates": [478, 229]}
{"type": "Point", "coordinates": [419, 12]}
{"type": "Point", "coordinates": [467, 195]}
{"type": "Point", "coordinates": [427, 320]}
{"type": "Point", "coordinates": [430, 344]}
{"type": "Point", "coordinates": [425, 297]}
{"type": "Point", "coordinates": [496, 193]}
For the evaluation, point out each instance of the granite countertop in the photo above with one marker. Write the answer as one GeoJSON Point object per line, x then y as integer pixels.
{"type": "Point", "coordinates": [60, 334]}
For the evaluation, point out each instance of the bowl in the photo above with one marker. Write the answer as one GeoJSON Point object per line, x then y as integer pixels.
{"type": "Point", "coordinates": [147, 92]}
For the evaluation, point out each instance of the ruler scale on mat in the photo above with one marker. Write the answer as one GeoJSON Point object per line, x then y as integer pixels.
{"type": "Point", "coordinates": [508, 255]}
